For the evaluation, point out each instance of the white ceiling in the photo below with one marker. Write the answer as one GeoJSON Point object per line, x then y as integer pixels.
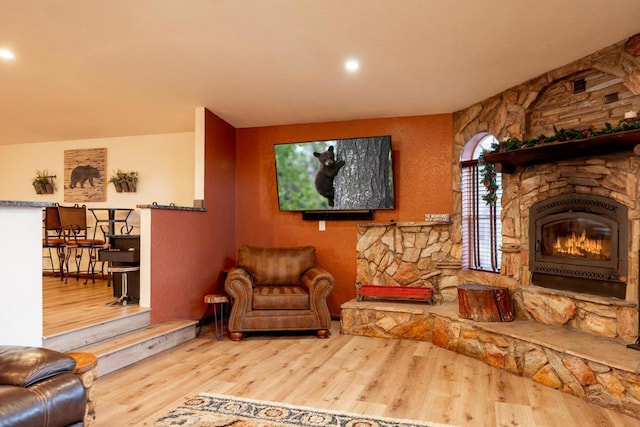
{"type": "Point", "coordinates": [101, 68]}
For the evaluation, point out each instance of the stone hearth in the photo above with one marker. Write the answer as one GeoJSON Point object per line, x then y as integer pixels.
{"type": "Point", "coordinates": [571, 342]}
{"type": "Point", "coordinates": [428, 255]}
{"type": "Point", "coordinates": [597, 369]}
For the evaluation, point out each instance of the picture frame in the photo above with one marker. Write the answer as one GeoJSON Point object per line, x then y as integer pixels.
{"type": "Point", "coordinates": [85, 175]}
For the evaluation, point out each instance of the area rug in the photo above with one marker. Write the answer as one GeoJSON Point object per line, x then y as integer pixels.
{"type": "Point", "coordinates": [215, 410]}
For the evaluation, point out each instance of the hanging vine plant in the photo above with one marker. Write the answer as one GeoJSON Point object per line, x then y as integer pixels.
{"type": "Point", "coordinates": [488, 179]}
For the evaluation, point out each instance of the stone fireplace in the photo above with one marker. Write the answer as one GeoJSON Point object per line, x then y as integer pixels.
{"type": "Point", "coordinates": [597, 295]}
{"type": "Point", "coordinates": [578, 243]}
{"type": "Point", "coordinates": [547, 204]}
{"type": "Point", "coordinates": [599, 189]}
{"type": "Point", "coordinates": [570, 243]}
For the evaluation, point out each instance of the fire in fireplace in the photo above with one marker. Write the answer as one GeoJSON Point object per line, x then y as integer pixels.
{"type": "Point", "coordinates": [579, 243]}
{"type": "Point", "coordinates": [577, 238]}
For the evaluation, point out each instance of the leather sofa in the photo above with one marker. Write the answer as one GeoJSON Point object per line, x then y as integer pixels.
{"type": "Point", "coordinates": [278, 289]}
{"type": "Point", "coordinates": [38, 388]}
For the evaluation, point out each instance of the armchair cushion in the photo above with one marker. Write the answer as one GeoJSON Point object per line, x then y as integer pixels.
{"type": "Point", "coordinates": [280, 298]}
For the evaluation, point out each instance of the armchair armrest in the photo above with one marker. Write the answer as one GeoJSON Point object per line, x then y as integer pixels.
{"type": "Point", "coordinates": [319, 284]}
{"type": "Point", "coordinates": [313, 279]}
{"type": "Point", "coordinates": [239, 285]}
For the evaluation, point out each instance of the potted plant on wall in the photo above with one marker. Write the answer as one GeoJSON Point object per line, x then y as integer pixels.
{"type": "Point", "coordinates": [125, 181]}
{"type": "Point", "coordinates": [43, 182]}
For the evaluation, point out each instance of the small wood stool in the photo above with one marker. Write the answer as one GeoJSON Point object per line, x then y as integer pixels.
{"type": "Point", "coordinates": [213, 301]}
{"type": "Point", "coordinates": [484, 303]}
{"type": "Point", "coordinates": [87, 370]}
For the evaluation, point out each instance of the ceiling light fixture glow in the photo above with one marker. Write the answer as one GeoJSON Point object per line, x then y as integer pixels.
{"type": "Point", "coordinates": [6, 54]}
{"type": "Point", "coordinates": [352, 65]}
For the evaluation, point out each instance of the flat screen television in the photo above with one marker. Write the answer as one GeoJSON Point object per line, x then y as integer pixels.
{"type": "Point", "coordinates": [353, 174]}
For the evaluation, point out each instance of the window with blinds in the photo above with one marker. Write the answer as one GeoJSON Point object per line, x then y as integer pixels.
{"type": "Point", "coordinates": [481, 225]}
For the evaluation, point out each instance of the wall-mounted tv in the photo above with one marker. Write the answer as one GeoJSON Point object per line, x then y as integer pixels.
{"type": "Point", "coordinates": [335, 175]}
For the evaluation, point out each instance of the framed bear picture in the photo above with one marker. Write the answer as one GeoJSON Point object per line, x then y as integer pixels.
{"type": "Point", "coordinates": [85, 175]}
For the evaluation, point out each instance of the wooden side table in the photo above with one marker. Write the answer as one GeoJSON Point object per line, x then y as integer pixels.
{"type": "Point", "coordinates": [87, 370]}
{"type": "Point", "coordinates": [215, 301]}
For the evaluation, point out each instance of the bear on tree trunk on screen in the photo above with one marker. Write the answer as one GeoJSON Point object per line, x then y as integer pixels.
{"type": "Point", "coordinates": [327, 171]}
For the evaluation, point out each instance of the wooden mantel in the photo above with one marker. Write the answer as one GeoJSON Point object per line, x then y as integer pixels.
{"type": "Point", "coordinates": [506, 161]}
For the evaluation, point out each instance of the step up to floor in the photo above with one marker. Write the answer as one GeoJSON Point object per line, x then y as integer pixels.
{"type": "Point", "coordinates": [81, 337]}
{"type": "Point", "coordinates": [127, 348]}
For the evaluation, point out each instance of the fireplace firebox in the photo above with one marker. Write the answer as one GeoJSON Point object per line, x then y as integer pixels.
{"type": "Point", "coordinates": [579, 243]}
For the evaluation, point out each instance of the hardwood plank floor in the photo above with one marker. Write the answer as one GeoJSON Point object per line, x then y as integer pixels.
{"type": "Point", "coordinates": [70, 306]}
{"type": "Point", "coordinates": [397, 378]}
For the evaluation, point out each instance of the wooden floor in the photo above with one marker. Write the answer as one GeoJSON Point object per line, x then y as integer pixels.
{"type": "Point", "coordinates": [73, 305]}
{"type": "Point", "coordinates": [396, 378]}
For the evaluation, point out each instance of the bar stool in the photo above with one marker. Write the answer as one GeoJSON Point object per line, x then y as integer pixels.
{"type": "Point", "coordinates": [213, 301]}
{"type": "Point", "coordinates": [124, 298]}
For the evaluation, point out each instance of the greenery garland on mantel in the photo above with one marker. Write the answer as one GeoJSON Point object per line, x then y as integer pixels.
{"type": "Point", "coordinates": [559, 136]}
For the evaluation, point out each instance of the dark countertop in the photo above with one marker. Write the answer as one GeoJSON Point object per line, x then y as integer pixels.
{"type": "Point", "coordinates": [171, 206]}
{"type": "Point", "coordinates": [23, 204]}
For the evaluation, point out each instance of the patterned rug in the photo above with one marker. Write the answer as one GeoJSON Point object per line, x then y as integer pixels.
{"type": "Point", "coordinates": [215, 410]}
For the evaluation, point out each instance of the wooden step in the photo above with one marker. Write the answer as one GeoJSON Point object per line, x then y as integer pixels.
{"type": "Point", "coordinates": [126, 349]}
{"type": "Point", "coordinates": [86, 335]}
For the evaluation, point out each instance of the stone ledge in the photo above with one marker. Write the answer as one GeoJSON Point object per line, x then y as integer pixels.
{"type": "Point", "coordinates": [591, 314]}
{"type": "Point", "coordinates": [404, 224]}
{"type": "Point", "coordinates": [601, 370]}
{"type": "Point", "coordinates": [579, 297]}
{"type": "Point", "coordinates": [606, 351]}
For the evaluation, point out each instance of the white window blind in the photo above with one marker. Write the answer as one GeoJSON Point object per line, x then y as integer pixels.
{"type": "Point", "coordinates": [481, 225]}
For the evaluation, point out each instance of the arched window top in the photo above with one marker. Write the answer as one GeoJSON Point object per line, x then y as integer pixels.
{"type": "Point", "coordinates": [473, 148]}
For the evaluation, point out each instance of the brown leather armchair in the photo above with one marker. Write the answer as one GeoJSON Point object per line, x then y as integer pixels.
{"type": "Point", "coordinates": [278, 289]}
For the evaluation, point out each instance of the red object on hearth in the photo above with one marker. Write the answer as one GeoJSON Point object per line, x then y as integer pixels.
{"type": "Point", "coordinates": [402, 292]}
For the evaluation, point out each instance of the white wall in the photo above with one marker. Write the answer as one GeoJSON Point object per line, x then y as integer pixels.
{"type": "Point", "coordinates": [165, 165]}
{"type": "Point", "coordinates": [20, 281]}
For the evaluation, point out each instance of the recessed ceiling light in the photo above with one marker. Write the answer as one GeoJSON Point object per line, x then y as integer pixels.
{"type": "Point", "coordinates": [6, 54]}
{"type": "Point", "coordinates": [352, 65]}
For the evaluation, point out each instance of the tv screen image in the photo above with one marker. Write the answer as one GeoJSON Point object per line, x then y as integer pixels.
{"type": "Point", "coordinates": [338, 174]}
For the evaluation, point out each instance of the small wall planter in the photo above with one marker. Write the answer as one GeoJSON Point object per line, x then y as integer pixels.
{"type": "Point", "coordinates": [125, 186]}
{"type": "Point", "coordinates": [125, 182]}
{"type": "Point", "coordinates": [43, 188]}
{"type": "Point", "coordinates": [43, 182]}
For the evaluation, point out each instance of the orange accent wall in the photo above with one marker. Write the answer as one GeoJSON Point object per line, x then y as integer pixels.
{"type": "Point", "coordinates": [422, 153]}
{"type": "Point", "coordinates": [189, 249]}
